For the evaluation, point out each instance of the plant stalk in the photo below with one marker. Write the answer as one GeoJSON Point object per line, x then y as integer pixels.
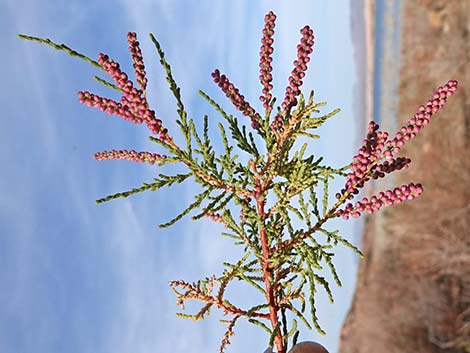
{"type": "Point", "coordinates": [271, 295]}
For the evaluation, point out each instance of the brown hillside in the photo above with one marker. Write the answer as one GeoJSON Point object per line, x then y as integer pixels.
{"type": "Point", "coordinates": [413, 288]}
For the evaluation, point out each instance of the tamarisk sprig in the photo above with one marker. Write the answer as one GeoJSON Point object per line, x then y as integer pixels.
{"type": "Point", "coordinates": [133, 105]}
{"type": "Point", "coordinates": [203, 292]}
{"type": "Point", "coordinates": [366, 164]}
{"type": "Point", "coordinates": [279, 261]}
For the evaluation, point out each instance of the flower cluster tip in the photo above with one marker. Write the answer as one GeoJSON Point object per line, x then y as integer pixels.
{"type": "Point", "coordinates": [367, 163]}
{"type": "Point", "coordinates": [133, 105]}
{"type": "Point", "coordinates": [236, 98]}
{"type": "Point", "coordinates": [132, 155]}
{"type": "Point", "coordinates": [265, 53]}
{"type": "Point", "coordinates": [304, 49]}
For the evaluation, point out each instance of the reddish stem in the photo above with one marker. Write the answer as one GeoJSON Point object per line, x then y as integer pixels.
{"type": "Point", "coordinates": [267, 270]}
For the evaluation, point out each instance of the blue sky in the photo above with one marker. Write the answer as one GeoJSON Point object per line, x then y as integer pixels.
{"type": "Point", "coordinates": [81, 277]}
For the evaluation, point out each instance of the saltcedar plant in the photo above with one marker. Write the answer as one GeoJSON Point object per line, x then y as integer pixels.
{"type": "Point", "coordinates": [279, 261]}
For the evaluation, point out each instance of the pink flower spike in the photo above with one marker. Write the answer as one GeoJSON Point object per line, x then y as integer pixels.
{"type": "Point", "coordinates": [304, 49]}
{"type": "Point", "coordinates": [133, 105]}
{"type": "Point", "coordinates": [389, 198]}
{"type": "Point", "coordinates": [424, 113]}
{"type": "Point", "coordinates": [236, 98]}
{"type": "Point", "coordinates": [139, 67]}
{"type": "Point", "coordinates": [134, 156]}
{"type": "Point", "coordinates": [266, 58]}
{"type": "Point", "coordinates": [93, 100]}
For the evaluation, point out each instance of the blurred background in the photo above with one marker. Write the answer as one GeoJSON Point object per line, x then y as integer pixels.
{"type": "Point", "coordinates": [82, 277]}
{"type": "Point", "coordinates": [413, 288]}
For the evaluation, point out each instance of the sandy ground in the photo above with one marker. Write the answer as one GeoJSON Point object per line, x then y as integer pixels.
{"type": "Point", "coordinates": [413, 287]}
